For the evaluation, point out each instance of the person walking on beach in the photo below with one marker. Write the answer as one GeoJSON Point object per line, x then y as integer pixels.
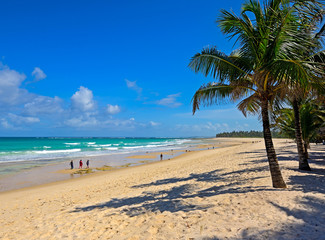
{"type": "Point", "coordinates": [161, 157]}
{"type": "Point", "coordinates": [87, 163]}
{"type": "Point", "coordinates": [80, 163]}
{"type": "Point", "coordinates": [71, 164]}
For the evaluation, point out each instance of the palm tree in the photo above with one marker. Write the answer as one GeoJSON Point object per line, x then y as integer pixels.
{"type": "Point", "coordinates": [257, 72]}
{"type": "Point", "coordinates": [297, 94]}
{"type": "Point", "coordinates": [290, 123]}
{"type": "Point", "coordinates": [312, 118]}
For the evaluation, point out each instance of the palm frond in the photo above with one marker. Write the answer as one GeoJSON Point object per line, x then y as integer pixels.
{"type": "Point", "coordinates": [292, 71]}
{"type": "Point", "coordinates": [211, 94]}
{"type": "Point", "coordinates": [250, 105]}
{"type": "Point", "coordinates": [217, 64]}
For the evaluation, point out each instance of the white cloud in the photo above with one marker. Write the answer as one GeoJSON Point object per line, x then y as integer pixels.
{"type": "Point", "coordinates": [133, 85]}
{"type": "Point", "coordinates": [225, 125]}
{"type": "Point", "coordinates": [82, 121]}
{"type": "Point", "coordinates": [101, 123]}
{"type": "Point", "coordinates": [219, 114]}
{"type": "Point", "coordinates": [5, 124]}
{"type": "Point", "coordinates": [83, 100]}
{"type": "Point", "coordinates": [113, 109]}
{"type": "Point", "coordinates": [170, 101]}
{"type": "Point", "coordinates": [153, 124]}
{"type": "Point", "coordinates": [38, 74]}
{"type": "Point", "coordinates": [10, 91]}
{"type": "Point", "coordinates": [125, 124]}
{"type": "Point", "coordinates": [204, 128]}
{"type": "Point", "coordinates": [43, 105]}
{"type": "Point", "coordinates": [20, 120]}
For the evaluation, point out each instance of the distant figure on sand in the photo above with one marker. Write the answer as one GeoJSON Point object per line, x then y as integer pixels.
{"type": "Point", "coordinates": [80, 164]}
{"type": "Point", "coordinates": [161, 157]}
{"type": "Point", "coordinates": [87, 163]}
{"type": "Point", "coordinates": [71, 164]}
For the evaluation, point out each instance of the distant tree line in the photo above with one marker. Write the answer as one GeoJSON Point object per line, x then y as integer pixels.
{"type": "Point", "coordinates": [248, 134]}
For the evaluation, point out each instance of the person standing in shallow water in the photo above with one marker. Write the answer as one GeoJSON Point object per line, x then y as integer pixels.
{"type": "Point", "coordinates": [161, 157]}
{"type": "Point", "coordinates": [87, 163]}
{"type": "Point", "coordinates": [71, 164]}
{"type": "Point", "coordinates": [80, 164]}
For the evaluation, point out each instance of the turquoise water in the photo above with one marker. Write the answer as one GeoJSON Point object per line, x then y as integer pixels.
{"type": "Point", "coordinates": [46, 149]}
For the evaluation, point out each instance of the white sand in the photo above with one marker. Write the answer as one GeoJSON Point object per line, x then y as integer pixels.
{"type": "Point", "coordinates": [214, 194]}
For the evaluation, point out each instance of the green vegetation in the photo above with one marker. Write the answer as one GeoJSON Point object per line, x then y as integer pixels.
{"type": "Point", "coordinates": [249, 134]}
{"type": "Point", "coordinates": [144, 161]}
{"type": "Point", "coordinates": [312, 119]}
{"type": "Point", "coordinates": [273, 42]}
{"type": "Point", "coordinates": [104, 168]}
{"type": "Point", "coordinates": [84, 171]}
{"type": "Point", "coordinates": [126, 165]}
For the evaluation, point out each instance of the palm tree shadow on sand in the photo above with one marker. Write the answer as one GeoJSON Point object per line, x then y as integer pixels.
{"type": "Point", "coordinates": [179, 199]}
{"type": "Point", "coordinates": [309, 227]}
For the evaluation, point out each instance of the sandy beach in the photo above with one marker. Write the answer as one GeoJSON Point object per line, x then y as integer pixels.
{"type": "Point", "coordinates": [221, 193]}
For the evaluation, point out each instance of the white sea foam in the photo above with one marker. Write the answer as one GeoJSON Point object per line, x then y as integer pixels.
{"type": "Point", "coordinates": [111, 148]}
{"type": "Point", "coordinates": [45, 153]}
{"type": "Point", "coordinates": [57, 151]}
{"type": "Point", "coordinates": [132, 147]}
{"type": "Point", "coordinates": [156, 145]}
{"type": "Point", "coordinates": [105, 145]}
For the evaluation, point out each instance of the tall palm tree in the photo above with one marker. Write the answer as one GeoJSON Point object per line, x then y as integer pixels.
{"type": "Point", "coordinates": [297, 93]}
{"type": "Point", "coordinates": [257, 72]}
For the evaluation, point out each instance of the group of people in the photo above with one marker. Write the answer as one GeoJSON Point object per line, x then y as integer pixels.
{"type": "Point", "coordinates": [87, 162]}
{"type": "Point", "coordinates": [80, 163]}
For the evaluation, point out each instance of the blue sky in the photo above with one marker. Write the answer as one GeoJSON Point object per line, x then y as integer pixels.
{"type": "Point", "coordinates": [109, 68]}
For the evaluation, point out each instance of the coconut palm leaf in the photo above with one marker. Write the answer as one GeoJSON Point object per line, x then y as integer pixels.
{"type": "Point", "coordinates": [285, 122]}
{"type": "Point", "coordinates": [312, 118]}
{"type": "Point", "coordinates": [216, 64]}
{"type": "Point", "coordinates": [250, 105]}
{"type": "Point", "coordinates": [211, 94]}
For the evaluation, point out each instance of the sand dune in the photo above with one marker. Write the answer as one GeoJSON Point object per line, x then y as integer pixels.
{"type": "Point", "coordinates": [222, 193]}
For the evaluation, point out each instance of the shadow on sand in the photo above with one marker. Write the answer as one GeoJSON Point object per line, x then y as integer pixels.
{"type": "Point", "coordinates": [178, 198]}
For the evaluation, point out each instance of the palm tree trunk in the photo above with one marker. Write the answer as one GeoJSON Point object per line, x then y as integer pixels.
{"type": "Point", "coordinates": [302, 152]}
{"type": "Point", "coordinates": [306, 151]}
{"type": "Point", "coordinates": [276, 175]}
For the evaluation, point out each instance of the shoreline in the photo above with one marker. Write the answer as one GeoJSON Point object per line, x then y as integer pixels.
{"type": "Point", "coordinates": [135, 156]}
{"type": "Point", "coordinates": [193, 196]}
{"type": "Point", "coordinates": [60, 170]}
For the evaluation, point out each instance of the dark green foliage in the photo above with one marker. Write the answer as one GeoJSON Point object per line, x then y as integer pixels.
{"type": "Point", "coordinates": [312, 118]}
{"type": "Point", "coordinates": [248, 134]}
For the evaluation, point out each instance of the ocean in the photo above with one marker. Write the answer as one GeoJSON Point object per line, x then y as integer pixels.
{"type": "Point", "coordinates": [29, 161]}
{"type": "Point", "coordinates": [49, 148]}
